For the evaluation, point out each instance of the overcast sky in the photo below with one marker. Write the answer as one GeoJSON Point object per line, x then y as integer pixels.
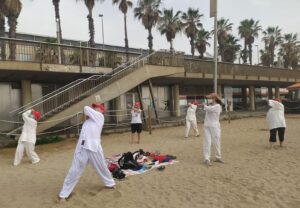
{"type": "Point", "coordinates": [37, 17]}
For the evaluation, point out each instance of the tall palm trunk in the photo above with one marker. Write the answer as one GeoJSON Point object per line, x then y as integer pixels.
{"type": "Point", "coordinates": [171, 46]}
{"type": "Point", "coordinates": [57, 17]}
{"type": "Point", "coordinates": [2, 32]}
{"type": "Point", "coordinates": [12, 23]}
{"type": "Point", "coordinates": [244, 53]}
{"type": "Point", "coordinates": [221, 51]}
{"type": "Point", "coordinates": [250, 53]}
{"type": "Point", "coordinates": [91, 30]}
{"type": "Point", "coordinates": [150, 39]}
{"type": "Point", "coordinates": [192, 42]}
{"type": "Point", "coordinates": [126, 37]}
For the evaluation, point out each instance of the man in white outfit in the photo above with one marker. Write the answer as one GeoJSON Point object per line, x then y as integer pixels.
{"type": "Point", "coordinates": [27, 139]}
{"type": "Point", "coordinates": [212, 129]}
{"type": "Point", "coordinates": [276, 121]}
{"type": "Point", "coordinates": [191, 119]}
{"type": "Point", "coordinates": [88, 151]}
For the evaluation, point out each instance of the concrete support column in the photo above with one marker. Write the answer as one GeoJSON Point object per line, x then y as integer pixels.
{"type": "Point", "coordinates": [297, 94]}
{"type": "Point", "coordinates": [270, 93]}
{"type": "Point", "coordinates": [175, 100]}
{"type": "Point", "coordinates": [219, 91]}
{"type": "Point", "coordinates": [252, 97]}
{"type": "Point", "coordinates": [244, 96]}
{"type": "Point", "coordinates": [118, 107]}
{"type": "Point", "coordinates": [277, 93]}
{"type": "Point", "coordinates": [26, 93]}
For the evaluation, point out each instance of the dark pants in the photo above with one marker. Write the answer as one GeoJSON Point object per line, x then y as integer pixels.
{"type": "Point", "coordinates": [273, 133]}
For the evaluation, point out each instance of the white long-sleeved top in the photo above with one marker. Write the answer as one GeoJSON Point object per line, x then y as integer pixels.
{"type": "Point", "coordinates": [212, 115]}
{"type": "Point", "coordinates": [136, 117]}
{"type": "Point", "coordinates": [29, 128]}
{"type": "Point", "coordinates": [275, 115]}
{"type": "Point", "coordinates": [90, 135]}
{"type": "Point", "coordinates": [191, 113]}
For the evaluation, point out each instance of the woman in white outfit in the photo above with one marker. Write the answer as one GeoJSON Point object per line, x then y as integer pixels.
{"type": "Point", "coordinates": [276, 121]}
{"type": "Point", "coordinates": [212, 128]}
{"type": "Point", "coordinates": [191, 119]}
{"type": "Point", "coordinates": [88, 151]}
{"type": "Point", "coordinates": [27, 139]}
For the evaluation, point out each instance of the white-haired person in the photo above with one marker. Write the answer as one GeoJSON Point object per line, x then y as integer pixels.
{"type": "Point", "coordinates": [136, 122]}
{"type": "Point", "coordinates": [212, 128]}
{"type": "Point", "coordinates": [27, 139]}
{"type": "Point", "coordinates": [191, 119]}
{"type": "Point", "coordinates": [88, 151]}
{"type": "Point", "coordinates": [276, 121]}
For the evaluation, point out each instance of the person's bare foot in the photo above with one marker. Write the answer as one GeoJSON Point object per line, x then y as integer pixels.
{"type": "Point", "coordinates": [219, 160]}
{"type": "Point", "coordinates": [61, 200]}
{"type": "Point", "coordinates": [207, 163]}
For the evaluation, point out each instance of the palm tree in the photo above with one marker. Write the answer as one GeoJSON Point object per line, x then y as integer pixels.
{"type": "Point", "coordinates": [191, 23]}
{"type": "Point", "coordinates": [169, 25]}
{"type": "Point", "coordinates": [290, 50]}
{"type": "Point", "coordinates": [272, 38]}
{"type": "Point", "coordinates": [224, 27]}
{"type": "Point", "coordinates": [90, 5]}
{"type": "Point", "coordinates": [13, 12]}
{"type": "Point", "coordinates": [202, 41]}
{"type": "Point", "coordinates": [248, 30]}
{"type": "Point", "coordinates": [231, 48]}
{"type": "Point", "coordinates": [265, 58]}
{"type": "Point", "coordinates": [123, 6]}
{"type": "Point", "coordinates": [148, 12]}
{"type": "Point", "coordinates": [57, 16]}
{"type": "Point", "coordinates": [2, 32]}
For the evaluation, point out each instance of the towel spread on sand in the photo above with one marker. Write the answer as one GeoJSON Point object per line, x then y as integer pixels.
{"type": "Point", "coordinates": [114, 160]}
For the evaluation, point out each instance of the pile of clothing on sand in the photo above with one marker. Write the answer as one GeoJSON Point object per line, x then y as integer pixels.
{"type": "Point", "coordinates": [133, 163]}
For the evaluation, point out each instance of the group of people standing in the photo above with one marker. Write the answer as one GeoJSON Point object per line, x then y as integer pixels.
{"type": "Point", "coordinates": [89, 149]}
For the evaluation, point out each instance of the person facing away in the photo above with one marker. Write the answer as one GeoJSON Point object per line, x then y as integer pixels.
{"type": "Point", "coordinates": [88, 151]}
{"type": "Point", "coordinates": [27, 139]}
{"type": "Point", "coordinates": [136, 122]}
{"type": "Point", "coordinates": [212, 128]}
{"type": "Point", "coordinates": [276, 121]}
{"type": "Point", "coordinates": [191, 119]}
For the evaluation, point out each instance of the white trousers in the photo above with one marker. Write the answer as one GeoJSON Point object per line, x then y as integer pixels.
{"type": "Point", "coordinates": [80, 161]}
{"type": "Point", "coordinates": [212, 135]}
{"type": "Point", "coordinates": [188, 125]}
{"type": "Point", "coordinates": [31, 154]}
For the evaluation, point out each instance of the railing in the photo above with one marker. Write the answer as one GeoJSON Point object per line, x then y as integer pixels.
{"type": "Point", "coordinates": [52, 53]}
{"type": "Point", "coordinates": [82, 89]}
{"type": "Point", "coordinates": [66, 87]}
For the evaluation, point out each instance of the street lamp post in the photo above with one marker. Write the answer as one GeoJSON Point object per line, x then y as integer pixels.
{"type": "Point", "coordinates": [214, 13]}
{"type": "Point", "coordinates": [257, 49]}
{"type": "Point", "coordinates": [58, 39]}
{"type": "Point", "coordinates": [101, 16]}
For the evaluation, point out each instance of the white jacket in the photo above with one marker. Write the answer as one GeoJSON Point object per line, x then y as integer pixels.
{"type": "Point", "coordinates": [275, 115]}
{"type": "Point", "coordinates": [29, 128]}
{"type": "Point", "coordinates": [191, 113]}
{"type": "Point", "coordinates": [212, 115]}
{"type": "Point", "coordinates": [90, 135]}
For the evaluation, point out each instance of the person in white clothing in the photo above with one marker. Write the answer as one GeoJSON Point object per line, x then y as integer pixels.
{"type": "Point", "coordinates": [212, 128]}
{"type": "Point", "coordinates": [27, 139]}
{"type": "Point", "coordinates": [88, 151]}
{"type": "Point", "coordinates": [191, 119]}
{"type": "Point", "coordinates": [136, 121]}
{"type": "Point", "coordinates": [276, 121]}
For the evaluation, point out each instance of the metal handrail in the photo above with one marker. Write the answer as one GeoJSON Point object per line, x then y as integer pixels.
{"type": "Point", "coordinates": [66, 87]}
{"type": "Point", "coordinates": [94, 77]}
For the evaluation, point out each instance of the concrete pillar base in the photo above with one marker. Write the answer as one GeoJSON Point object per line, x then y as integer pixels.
{"type": "Point", "coordinates": [252, 97]}
{"type": "Point", "coordinates": [26, 92]}
{"type": "Point", "coordinates": [175, 101]}
{"type": "Point", "coordinates": [270, 93]}
{"type": "Point", "coordinates": [277, 92]}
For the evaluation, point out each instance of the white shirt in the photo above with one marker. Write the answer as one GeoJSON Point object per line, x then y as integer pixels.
{"type": "Point", "coordinates": [29, 128]}
{"type": "Point", "coordinates": [191, 113]}
{"type": "Point", "coordinates": [212, 115]}
{"type": "Point", "coordinates": [90, 135]}
{"type": "Point", "coordinates": [275, 115]}
{"type": "Point", "coordinates": [136, 117]}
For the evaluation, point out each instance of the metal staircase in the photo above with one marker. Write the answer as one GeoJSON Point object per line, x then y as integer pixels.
{"type": "Point", "coordinates": [61, 104]}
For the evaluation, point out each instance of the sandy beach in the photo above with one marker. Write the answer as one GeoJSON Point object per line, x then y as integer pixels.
{"type": "Point", "coordinates": [253, 176]}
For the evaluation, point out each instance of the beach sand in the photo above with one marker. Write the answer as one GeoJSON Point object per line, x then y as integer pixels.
{"type": "Point", "coordinates": [253, 175]}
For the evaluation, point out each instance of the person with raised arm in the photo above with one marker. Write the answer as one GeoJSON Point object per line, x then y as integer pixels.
{"type": "Point", "coordinates": [212, 128]}
{"type": "Point", "coordinates": [191, 120]}
{"type": "Point", "coordinates": [27, 139]}
{"type": "Point", "coordinates": [88, 151]}
{"type": "Point", "coordinates": [136, 121]}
